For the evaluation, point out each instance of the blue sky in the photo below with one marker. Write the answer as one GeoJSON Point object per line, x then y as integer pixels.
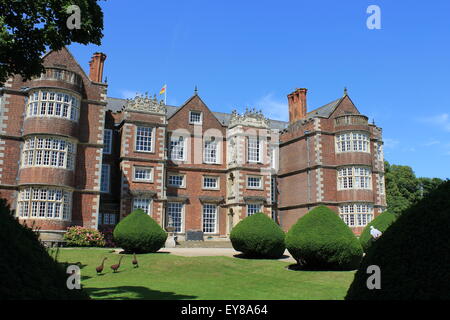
{"type": "Point", "coordinates": [253, 53]}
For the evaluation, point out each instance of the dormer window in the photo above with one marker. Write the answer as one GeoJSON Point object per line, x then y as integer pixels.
{"type": "Point", "coordinates": [195, 117]}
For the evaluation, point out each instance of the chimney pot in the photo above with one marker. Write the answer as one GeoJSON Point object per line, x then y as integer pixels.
{"type": "Point", "coordinates": [96, 67]}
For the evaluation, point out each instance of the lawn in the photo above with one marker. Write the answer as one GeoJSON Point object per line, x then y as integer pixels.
{"type": "Point", "coordinates": [166, 276]}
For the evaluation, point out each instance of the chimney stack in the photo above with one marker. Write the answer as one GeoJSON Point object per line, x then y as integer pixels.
{"type": "Point", "coordinates": [96, 67]}
{"type": "Point", "coordinates": [297, 105]}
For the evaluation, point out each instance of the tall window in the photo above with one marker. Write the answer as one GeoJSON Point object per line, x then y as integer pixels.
{"type": "Point", "coordinates": [195, 117]}
{"type": "Point", "coordinates": [210, 151]}
{"type": "Point", "coordinates": [175, 216]}
{"type": "Point", "coordinates": [144, 139]}
{"type": "Point", "coordinates": [253, 208]}
{"type": "Point", "coordinates": [48, 152]}
{"type": "Point", "coordinates": [381, 183]}
{"type": "Point", "coordinates": [176, 148]}
{"type": "Point", "coordinates": [107, 141]}
{"type": "Point", "coordinates": [354, 178]}
{"type": "Point", "coordinates": [53, 104]}
{"type": "Point", "coordinates": [253, 150]}
{"type": "Point", "coordinates": [142, 203]}
{"type": "Point", "coordinates": [104, 185]}
{"type": "Point", "coordinates": [44, 203]}
{"type": "Point", "coordinates": [356, 214]}
{"type": "Point", "coordinates": [209, 218]}
{"type": "Point", "coordinates": [353, 142]}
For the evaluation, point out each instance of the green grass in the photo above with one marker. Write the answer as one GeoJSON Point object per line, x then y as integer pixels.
{"type": "Point", "coordinates": [166, 276]}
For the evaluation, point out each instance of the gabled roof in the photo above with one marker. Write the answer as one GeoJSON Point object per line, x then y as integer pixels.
{"type": "Point", "coordinates": [327, 110]}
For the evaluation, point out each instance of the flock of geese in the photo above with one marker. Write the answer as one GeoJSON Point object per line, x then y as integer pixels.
{"type": "Point", "coordinates": [116, 266]}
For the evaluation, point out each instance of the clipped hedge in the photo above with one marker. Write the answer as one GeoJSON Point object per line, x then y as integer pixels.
{"type": "Point", "coordinates": [382, 222]}
{"type": "Point", "coordinates": [27, 271]}
{"type": "Point", "coordinates": [320, 240]}
{"type": "Point", "coordinates": [139, 233]}
{"type": "Point", "coordinates": [258, 236]}
{"type": "Point", "coordinates": [413, 254]}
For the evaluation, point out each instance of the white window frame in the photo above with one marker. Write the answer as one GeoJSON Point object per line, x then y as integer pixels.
{"type": "Point", "coordinates": [204, 182]}
{"type": "Point", "coordinates": [36, 203]}
{"type": "Point", "coordinates": [254, 149]}
{"type": "Point", "coordinates": [253, 205]}
{"type": "Point", "coordinates": [183, 177]}
{"type": "Point", "coordinates": [181, 206]}
{"type": "Point", "coordinates": [107, 218]}
{"type": "Point", "coordinates": [53, 103]}
{"type": "Point", "coordinates": [107, 141]}
{"type": "Point", "coordinates": [356, 214]}
{"type": "Point", "coordinates": [259, 186]}
{"type": "Point", "coordinates": [177, 144]}
{"type": "Point", "coordinates": [353, 141]}
{"type": "Point", "coordinates": [140, 148]}
{"type": "Point", "coordinates": [148, 209]}
{"type": "Point", "coordinates": [209, 218]}
{"type": "Point", "coordinates": [149, 179]}
{"type": "Point", "coordinates": [195, 122]}
{"type": "Point", "coordinates": [208, 151]}
{"type": "Point", "coordinates": [105, 183]}
{"type": "Point", "coordinates": [357, 178]}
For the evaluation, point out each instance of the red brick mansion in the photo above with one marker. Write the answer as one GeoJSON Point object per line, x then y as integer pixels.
{"type": "Point", "coordinates": [70, 155]}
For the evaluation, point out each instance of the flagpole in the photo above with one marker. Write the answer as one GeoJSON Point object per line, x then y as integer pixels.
{"type": "Point", "coordinates": [165, 96]}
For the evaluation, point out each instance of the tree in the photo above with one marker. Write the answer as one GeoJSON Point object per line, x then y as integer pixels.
{"type": "Point", "coordinates": [427, 185]}
{"type": "Point", "coordinates": [29, 28]}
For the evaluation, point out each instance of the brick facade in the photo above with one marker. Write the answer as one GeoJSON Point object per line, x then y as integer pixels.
{"type": "Point", "coordinates": [92, 163]}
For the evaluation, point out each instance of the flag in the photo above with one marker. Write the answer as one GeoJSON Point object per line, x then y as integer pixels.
{"type": "Point", "coordinates": [163, 90]}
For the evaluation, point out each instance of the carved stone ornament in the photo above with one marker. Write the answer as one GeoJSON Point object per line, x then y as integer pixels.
{"type": "Point", "coordinates": [144, 103]}
{"type": "Point", "coordinates": [251, 118]}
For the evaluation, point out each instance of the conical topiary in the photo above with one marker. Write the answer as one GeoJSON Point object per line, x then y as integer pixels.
{"type": "Point", "coordinates": [413, 255]}
{"type": "Point", "coordinates": [382, 222]}
{"type": "Point", "coordinates": [139, 233]}
{"type": "Point", "coordinates": [258, 236]}
{"type": "Point", "coordinates": [27, 271]}
{"type": "Point", "coordinates": [320, 240]}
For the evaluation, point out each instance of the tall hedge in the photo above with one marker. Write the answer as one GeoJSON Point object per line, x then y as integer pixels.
{"type": "Point", "coordinates": [413, 254]}
{"type": "Point", "coordinates": [258, 236]}
{"type": "Point", "coordinates": [27, 271]}
{"type": "Point", "coordinates": [139, 233]}
{"type": "Point", "coordinates": [382, 222]}
{"type": "Point", "coordinates": [320, 240]}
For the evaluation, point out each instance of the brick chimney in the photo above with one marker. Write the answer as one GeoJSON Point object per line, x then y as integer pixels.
{"type": "Point", "coordinates": [96, 67]}
{"type": "Point", "coordinates": [297, 105]}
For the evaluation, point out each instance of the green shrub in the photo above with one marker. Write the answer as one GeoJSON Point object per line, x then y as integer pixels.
{"type": "Point", "coordinates": [27, 271]}
{"type": "Point", "coordinates": [139, 233]}
{"type": "Point", "coordinates": [382, 222]}
{"type": "Point", "coordinates": [320, 240]}
{"type": "Point", "coordinates": [84, 237]}
{"type": "Point", "coordinates": [413, 254]}
{"type": "Point", "coordinates": [258, 236]}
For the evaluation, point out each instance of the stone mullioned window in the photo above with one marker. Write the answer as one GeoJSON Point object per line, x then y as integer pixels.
{"type": "Point", "coordinates": [352, 142]}
{"type": "Point", "coordinates": [356, 214]}
{"type": "Point", "coordinates": [51, 103]}
{"type": "Point", "coordinates": [354, 178]}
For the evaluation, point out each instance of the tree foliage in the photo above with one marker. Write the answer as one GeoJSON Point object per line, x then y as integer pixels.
{"type": "Point", "coordinates": [29, 28]}
{"type": "Point", "coordinates": [382, 222]}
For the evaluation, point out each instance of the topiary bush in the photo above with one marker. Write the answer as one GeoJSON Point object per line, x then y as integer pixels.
{"type": "Point", "coordinates": [258, 236]}
{"type": "Point", "coordinates": [320, 240]}
{"type": "Point", "coordinates": [382, 222]}
{"type": "Point", "coordinates": [139, 233]}
{"type": "Point", "coordinates": [84, 237]}
{"type": "Point", "coordinates": [413, 254]}
{"type": "Point", "coordinates": [27, 271]}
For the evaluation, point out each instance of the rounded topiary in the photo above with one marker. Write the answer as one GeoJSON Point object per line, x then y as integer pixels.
{"type": "Point", "coordinates": [320, 240]}
{"type": "Point", "coordinates": [382, 222]}
{"type": "Point", "coordinates": [413, 255]}
{"type": "Point", "coordinates": [258, 236]}
{"type": "Point", "coordinates": [27, 271]}
{"type": "Point", "coordinates": [139, 233]}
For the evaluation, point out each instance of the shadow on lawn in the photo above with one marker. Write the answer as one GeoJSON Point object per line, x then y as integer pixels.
{"type": "Point", "coordinates": [243, 256]}
{"type": "Point", "coordinates": [121, 293]}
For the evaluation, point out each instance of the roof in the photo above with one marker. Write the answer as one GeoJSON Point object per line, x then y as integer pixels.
{"type": "Point", "coordinates": [116, 105]}
{"type": "Point", "coordinates": [324, 111]}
